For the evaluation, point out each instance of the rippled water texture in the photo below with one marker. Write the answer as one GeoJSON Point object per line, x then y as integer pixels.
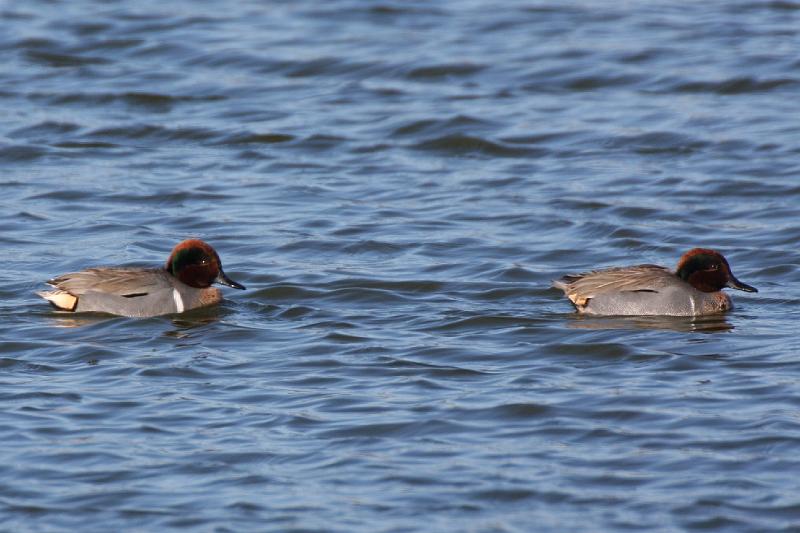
{"type": "Point", "coordinates": [397, 183]}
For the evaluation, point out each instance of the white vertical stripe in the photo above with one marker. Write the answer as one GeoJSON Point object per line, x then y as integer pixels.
{"type": "Point", "coordinates": [178, 300]}
{"type": "Point", "coordinates": [691, 302]}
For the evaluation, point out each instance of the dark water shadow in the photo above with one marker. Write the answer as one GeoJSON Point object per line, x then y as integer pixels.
{"type": "Point", "coordinates": [65, 319]}
{"type": "Point", "coordinates": [185, 321]}
{"type": "Point", "coordinates": [704, 324]}
{"type": "Point", "coordinates": [193, 319]}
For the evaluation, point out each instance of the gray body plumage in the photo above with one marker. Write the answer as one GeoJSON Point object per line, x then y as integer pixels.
{"type": "Point", "coordinates": [134, 292]}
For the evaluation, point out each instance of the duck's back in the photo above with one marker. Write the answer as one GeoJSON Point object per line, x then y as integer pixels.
{"type": "Point", "coordinates": [115, 281]}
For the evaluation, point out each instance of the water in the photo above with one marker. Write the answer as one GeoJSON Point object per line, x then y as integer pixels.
{"type": "Point", "coordinates": [397, 183]}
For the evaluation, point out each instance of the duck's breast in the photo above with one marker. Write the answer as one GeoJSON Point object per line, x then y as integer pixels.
{"type": "Point", "coordinates": [714, 302]}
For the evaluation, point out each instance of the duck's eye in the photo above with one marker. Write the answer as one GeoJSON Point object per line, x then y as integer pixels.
{"type": "Point", "coordinates": [713, 267]}
{"type": "Point", "coordinates": [204, 261]}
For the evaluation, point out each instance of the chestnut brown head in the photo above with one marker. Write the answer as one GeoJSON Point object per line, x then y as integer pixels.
{"type": "Point", "coordinates": [708, 271]}
{"type": "Point", "coordinates": [197, 264]}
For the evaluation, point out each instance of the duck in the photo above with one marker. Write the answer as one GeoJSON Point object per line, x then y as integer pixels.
{"type": "Point", "coordinates": [182, 284]}
{"type": "Point", "coordinates": [693, 289]}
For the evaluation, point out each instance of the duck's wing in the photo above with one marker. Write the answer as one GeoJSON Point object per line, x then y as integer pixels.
{"type": "Point", "coordinates": [580, 288]}
{"type": "Point", "coordinates": [128, 282]}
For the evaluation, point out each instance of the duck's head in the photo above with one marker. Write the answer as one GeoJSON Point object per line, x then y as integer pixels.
{"type": "Point", "coordinates": [197, 264]}
{"type": "Point", "coordinates": [708, 271]}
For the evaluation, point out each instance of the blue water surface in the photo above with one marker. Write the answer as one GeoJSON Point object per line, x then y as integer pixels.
{"type": "Point", "coordinates": [397, 183]}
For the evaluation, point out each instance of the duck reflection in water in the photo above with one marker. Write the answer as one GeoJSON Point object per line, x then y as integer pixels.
{"type": "Point", "coordinates": [702, 324]}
